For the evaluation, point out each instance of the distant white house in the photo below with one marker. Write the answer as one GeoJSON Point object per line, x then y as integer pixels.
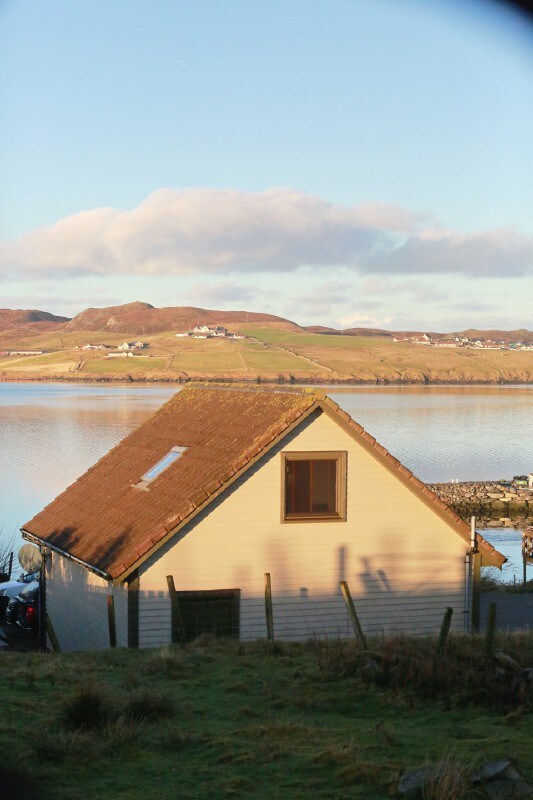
{"type": "Point", "coordinates": [124, 354]}
{"type": "Point", "coordinates": [207, 331]}
{"type": "Point", "coordinates": [132, 346]}
{"type": "Point", "coordinates": [447, 343]}
{"type": "Point", "coordinates": [95, 347]}
{"type": "Point", "coordinates": [26, 352]}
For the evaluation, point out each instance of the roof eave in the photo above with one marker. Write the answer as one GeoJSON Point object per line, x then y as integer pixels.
{"type": "Point", "coordinates": [31, 537]}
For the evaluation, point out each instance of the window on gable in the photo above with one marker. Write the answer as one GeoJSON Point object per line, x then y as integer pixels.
{"type": "Point", "coordinates": [314, 486]}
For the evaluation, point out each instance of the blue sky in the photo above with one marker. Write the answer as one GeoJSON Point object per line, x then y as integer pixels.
{"type": "Point", "coordinates": [362, 162]}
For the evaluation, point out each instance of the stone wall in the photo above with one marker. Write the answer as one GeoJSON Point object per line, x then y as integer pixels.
{"type": "Point", "coordinates": [491, 502]}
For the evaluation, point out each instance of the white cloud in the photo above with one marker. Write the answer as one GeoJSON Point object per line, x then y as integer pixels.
{"type": "Point", "coordinates": [362, 320]}
{"type": "Point", "coordinates": [417, 291]}
{"type": "Point", "coordinates": [500, 253]}
{"type": "Point", "coordinates": [206, 231]}
{"type": "Point", "coordinates": [221, 293]}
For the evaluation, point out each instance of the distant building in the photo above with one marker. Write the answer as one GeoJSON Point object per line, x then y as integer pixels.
{"type": "Point", "coordinates": [123, 354]}
{"type": "Point", "coordinates": [132, 346]}
{"type": "Point", "coordinates": [26, 352]}
{"type": "Point", "coordinates": [447, 343]}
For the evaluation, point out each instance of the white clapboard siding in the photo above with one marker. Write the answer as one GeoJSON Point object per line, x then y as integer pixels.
{"type": "Point", "coordinates": [403, 563]}
{"type": "Point", "coordinates": [76, 603]}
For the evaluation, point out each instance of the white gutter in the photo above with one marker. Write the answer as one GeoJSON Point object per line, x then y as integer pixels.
{"type": "Point", "coordinates": [32, 538]}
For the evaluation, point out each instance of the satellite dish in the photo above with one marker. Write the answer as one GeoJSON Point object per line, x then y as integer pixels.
{"type": "Point", "coordinates": [29, 558]}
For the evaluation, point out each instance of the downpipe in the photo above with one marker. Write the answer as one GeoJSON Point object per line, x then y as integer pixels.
{"type": "Point", "coordinates": [466, 611]}
{"type": "Point", "coordinates": [469, 561]}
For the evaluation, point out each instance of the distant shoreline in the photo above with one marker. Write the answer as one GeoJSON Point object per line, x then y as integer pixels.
{"type": "Point", "coordinates": [280, 380]}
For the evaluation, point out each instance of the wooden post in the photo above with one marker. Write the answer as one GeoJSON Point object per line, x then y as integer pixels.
{"type": "Point", "coordinates": [491, 631]}
{"type": "Point", "coordinates": [52, 635]}
{"type": "Point", "coordinates": [476, 593]}
{"type": "Point", "coordinates": [268, 608]}
{"type": "Point", "coordinates": [176, 622]}
{"type": "Point", "coordinates": [10, 564]}
{"type": "Point", "coordinates": [356, 625]}
{"type": "Point", "coordinates": [444, 629]}
{"type": "Point", "coordinates": [133, 609]}
{"type": "Point", "coordinates": [111, 620]}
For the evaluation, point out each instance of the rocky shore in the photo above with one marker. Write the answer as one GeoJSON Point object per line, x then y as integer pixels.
{"type": "Point", "coordinates": [493, 503]}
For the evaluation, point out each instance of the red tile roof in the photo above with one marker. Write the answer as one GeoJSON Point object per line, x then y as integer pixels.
{"type": "Point", "coordinates": [108, 522]}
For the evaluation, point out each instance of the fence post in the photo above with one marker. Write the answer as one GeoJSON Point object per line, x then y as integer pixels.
{"type": "Point", "coordinates": [356, 625]}
{"type": "Point", "coordinates": [444, 629]}
{"type": "Point", "coordinates": [52, 635]}
{"type": "Point", "coordinates": [176, 621]}
{"type": "Point", "coordinates": [491, 631]}
{"type": "Point", "coordinates": [111, 620]}
{"type": "Point", "coordinates": [268, 608]}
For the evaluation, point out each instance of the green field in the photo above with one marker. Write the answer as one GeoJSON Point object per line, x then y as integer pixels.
{"type": "Point", "coordinates": [123, 365]}
{"type": "Point", "coordinates": [219, 719]}
{"type": "Point", "coordinates": [268, 360]}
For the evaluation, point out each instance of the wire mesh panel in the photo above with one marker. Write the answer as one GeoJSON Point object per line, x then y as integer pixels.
{"type": "Point", "coordinates": [214, 611]}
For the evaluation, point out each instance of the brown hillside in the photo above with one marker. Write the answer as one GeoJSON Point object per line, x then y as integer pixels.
{"type": "Point", "coordinates": [521, 335]}
{"type": "Point", "coordinates": [31, 319]}
{"type": "Point", "coordinates": [143, 319]}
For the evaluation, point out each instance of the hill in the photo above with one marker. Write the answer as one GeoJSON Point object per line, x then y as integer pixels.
{"type": "Point", "coordinates": [31, 319]}
{"type": "Point", "coordinates": [142, 318]}
{"type": "Point", "coordinates": [347, 331]}
{"type": "Point", "coordinates": [273, 349]}
{"type": "Point", "coordinates": [520, 335]}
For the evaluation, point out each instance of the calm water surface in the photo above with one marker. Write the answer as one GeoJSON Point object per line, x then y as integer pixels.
{"type": "Point", "coordinates": [51, 433]}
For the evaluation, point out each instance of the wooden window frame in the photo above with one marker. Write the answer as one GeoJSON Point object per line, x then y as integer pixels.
{"type": "Point", "coordinates": [341, 457]}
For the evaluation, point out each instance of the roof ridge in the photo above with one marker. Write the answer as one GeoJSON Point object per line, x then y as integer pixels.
{"type": "Point", "coordinates": [319, 394]}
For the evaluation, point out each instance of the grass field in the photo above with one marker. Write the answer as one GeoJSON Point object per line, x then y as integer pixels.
{"type": "Point", "coordinates": [123, 365]}
{"type": "Point", "coordinates": [276, 350]}
{"type": "Point", "coordinates": [219, 719]}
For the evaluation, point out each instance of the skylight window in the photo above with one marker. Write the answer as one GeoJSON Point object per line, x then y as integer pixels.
{"type": "Point", "coordinates": [162, 465]}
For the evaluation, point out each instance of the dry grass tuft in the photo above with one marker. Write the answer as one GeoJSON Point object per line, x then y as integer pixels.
{"type": "Point", "coordinates": [449, 781]}
{"type": "Point", "coordinates": [86, 708]}
{"type": "Point", "coordinates": [148, 704]}
{"type": "Point", "coordinates": [167, 661]}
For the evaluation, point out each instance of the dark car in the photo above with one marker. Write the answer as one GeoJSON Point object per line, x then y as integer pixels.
{"type": "Point", "coordinates": [9, 589]}
{"type": "Point", "coordinates": [23, 610]}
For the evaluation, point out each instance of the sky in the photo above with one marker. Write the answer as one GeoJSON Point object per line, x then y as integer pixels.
{"type": "Point", "coordinates": [335, 162]}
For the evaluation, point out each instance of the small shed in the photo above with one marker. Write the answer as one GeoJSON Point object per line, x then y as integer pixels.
{"type": "Point", "coordinates": [224, 484]}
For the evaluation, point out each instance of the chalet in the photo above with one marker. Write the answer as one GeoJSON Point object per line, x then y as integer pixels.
{"type": "Point", "coordinates": [223, 485]}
